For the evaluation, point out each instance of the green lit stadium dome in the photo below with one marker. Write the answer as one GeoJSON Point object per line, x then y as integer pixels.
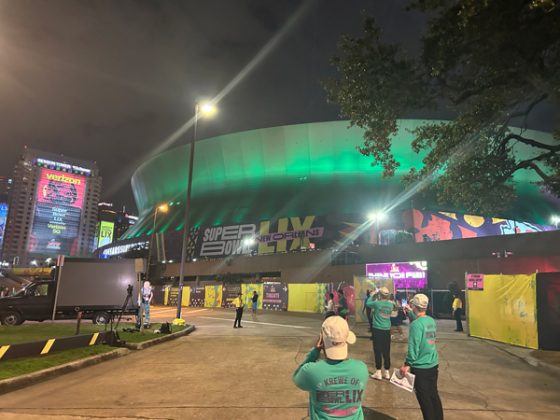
{"type": "Point", "coordinates": [286, 171]}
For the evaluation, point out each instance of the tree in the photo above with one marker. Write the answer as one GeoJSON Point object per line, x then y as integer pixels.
{"type": "Point", "coordinates": [491, 63]}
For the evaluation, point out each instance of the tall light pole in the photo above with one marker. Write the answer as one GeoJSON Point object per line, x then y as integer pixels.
{"type": "Point", "coordinates": [162, 208]}
{"type": "Point", "coordinates": [205, 109]}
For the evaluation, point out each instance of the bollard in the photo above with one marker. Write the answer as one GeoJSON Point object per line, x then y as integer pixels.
{"type": "Point", "coordinates": [78, 321]}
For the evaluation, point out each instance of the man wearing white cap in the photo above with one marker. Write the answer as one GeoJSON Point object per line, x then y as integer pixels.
{"type": "Point", "coordinates": [336, 385]}
{"type": "Point", "coordinates": [422, 359]}
{"type": "Point", "coordinates": [381, 332]}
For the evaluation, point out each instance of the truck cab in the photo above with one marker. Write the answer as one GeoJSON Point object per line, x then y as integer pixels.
{"type": "Point", "coordinates": [34, 303]}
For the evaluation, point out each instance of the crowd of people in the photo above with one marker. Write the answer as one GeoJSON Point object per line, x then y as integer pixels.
{"type": "Point", "coordinates": [336, 384]}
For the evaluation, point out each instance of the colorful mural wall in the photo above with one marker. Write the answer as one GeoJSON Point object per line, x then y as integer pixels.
{"type": "Point", "coordinates": [431, 226]}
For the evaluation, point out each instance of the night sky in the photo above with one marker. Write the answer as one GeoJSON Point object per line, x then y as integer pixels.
{"type": "Point", "coordinates": [110, 80]}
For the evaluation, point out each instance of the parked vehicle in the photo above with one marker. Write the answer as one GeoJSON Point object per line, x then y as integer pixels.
{"type": "Point", "coordinates": [96, 288]}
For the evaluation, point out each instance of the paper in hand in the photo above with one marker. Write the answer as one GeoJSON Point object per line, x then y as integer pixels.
{"type": "Point", "coordinates": [405, 382]}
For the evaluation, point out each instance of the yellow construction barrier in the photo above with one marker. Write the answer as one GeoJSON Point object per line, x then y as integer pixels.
{"type": "Point", "coordinates": [307, 297]}
{"type": "Point", "coordinates": [505, 310]}
{"type": "Point", "coordinates": [166, 296]}
{"type": "Point", "coordinates": [186, 297]}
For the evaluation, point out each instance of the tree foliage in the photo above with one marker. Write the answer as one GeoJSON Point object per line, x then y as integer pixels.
{"type": "Point", "coordinates": [490, 62]}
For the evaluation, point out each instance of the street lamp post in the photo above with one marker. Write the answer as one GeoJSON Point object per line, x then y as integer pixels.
{"type": "Point", "coordinates": [162, 208]}
{"type": "Point", "coordinates": [205, 109]}
{"type": "Point", "coordinates": [377, 217]}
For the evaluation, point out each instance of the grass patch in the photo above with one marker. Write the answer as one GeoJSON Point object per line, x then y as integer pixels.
{"type": "Point", "coordinates": [17, 367]}
{"type": "Point", "coordinates": [35, 332]}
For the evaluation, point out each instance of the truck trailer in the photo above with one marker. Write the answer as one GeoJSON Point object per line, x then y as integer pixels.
{"type": "Point", "coordinates": [98, 289]}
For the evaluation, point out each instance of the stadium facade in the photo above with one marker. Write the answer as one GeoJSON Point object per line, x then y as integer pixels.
{"type": "Point", "coordinates": [288, 189]}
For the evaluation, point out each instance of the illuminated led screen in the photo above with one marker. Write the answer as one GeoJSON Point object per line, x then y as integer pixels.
{"type": "Point", "coordinates": [406, 275]}
{"type": "Point", "coordinates": [3, 217]}
{"type": "Point", "coordinates": [58, 211]}
{"type": "Point", "coordinates": [105, 233]}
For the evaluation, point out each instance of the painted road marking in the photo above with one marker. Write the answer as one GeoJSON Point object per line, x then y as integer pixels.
{"type": "Point", "coordinates": [93, 339]}
{"type": "Point", "coordinates": [3, 350]}
{"type": "Point", "coordinates": [256, 322]}
{"type": "Point", "coordinates": [48, 346]}
{"type": "Point", "coordinates": [172, 310]}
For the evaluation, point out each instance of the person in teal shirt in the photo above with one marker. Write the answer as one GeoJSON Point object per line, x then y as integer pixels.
{"type": "Point", "coordinates": [336, 385]}
{"type": "Point", "coordinates": [381, 332]}
{"type": "Point", "coordinates": [422, 359]}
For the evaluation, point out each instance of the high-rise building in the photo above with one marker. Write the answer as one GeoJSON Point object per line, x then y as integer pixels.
{"type": "Point", "coordinates": [52, 207]}
{"type": "Point", "coordinates": [123, 222]}
{"type": "Point", "coordinates": [5, 186]}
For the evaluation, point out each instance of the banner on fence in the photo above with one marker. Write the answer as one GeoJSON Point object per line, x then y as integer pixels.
{"type": "Point", "coordinates": [506, 310]}
{"type": "Point", "coordinates": [229, 293]}
{"type": "Point", "coordinates": [248, 290]}
{"type": "Point", "coordinates": [213, 296]}
{"type": "Point", "coordinates": [197, 296]}
{"type": "Point", "coordinates": [275, 296]}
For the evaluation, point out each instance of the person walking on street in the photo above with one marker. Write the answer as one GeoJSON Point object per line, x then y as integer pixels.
{"type": "Point", "coordinates": [238, 303]}
{"type": "Point", "coordinates": [422, 359]}
{"type": "Point", "coordinates": [367, 310]}
{"type": "Point", "coordinates": [342, 304]}
{"type": "Point", "coordinates": [381, 332]}
{"type": "Point", "coordinates": [254, 303]}
{"type": "Point", "coordinates": [457, 312]}
{"type": "Point", "coordinates": [330, 309]}
{"type": "Point", "coordinates": [336, 385]}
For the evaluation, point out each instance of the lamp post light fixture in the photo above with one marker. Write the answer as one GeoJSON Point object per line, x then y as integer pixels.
{"type": "Point", "coordinates": [555, 220]}
{"type": "Point", "coordinates": [377, 217]}
{"type": "Point", "coordinates": [204, 109]}
{"type": "Point", "coordinates": [163, 208]}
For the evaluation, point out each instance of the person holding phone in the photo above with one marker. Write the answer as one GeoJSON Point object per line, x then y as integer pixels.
{"type": "Point", "coordinates": [336, 385]}
{"type": "Point", "coordinates": [381, 311]}
{"type": "Point", "coordinates": [422, 359]}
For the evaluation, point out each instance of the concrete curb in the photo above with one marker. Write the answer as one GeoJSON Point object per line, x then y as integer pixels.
{"type": "Point", "coordinates": [533, 361]}
{"type": "Point", "coordinates": [530, 360]}
{"type": "Point", "coordinates": [12, 384]}
{"type": "Point", "coordinates": [162, 339]}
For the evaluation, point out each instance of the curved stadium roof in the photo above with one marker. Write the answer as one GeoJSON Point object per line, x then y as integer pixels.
{"type": "Point", "coordinates": [292, 170]}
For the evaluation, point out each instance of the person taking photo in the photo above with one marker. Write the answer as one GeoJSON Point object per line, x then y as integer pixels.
{"type": "Point", "coordinates": [381, 310]}
{"type": "Point", "coordinates": [422, 359]}
{"type": "Point", "coordinates": [336, 385]}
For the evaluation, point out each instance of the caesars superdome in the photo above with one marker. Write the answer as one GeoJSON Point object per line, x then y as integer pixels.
{"type": "Point", "coordinates": [277, 177]}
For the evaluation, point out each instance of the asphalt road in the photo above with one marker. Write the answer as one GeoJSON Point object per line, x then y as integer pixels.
{"type": "Point", "coordinates": [223, 373]}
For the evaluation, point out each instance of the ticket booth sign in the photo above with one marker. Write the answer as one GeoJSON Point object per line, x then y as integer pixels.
{"type": "Point", "coordinates": [475, 281]}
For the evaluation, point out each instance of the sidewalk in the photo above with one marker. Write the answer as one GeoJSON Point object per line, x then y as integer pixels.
{"type": "Point", "coordinates": [549, 360]}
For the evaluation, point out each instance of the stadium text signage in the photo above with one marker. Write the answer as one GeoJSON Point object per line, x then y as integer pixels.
{"type": "Point", "coordinates": [290, 234]}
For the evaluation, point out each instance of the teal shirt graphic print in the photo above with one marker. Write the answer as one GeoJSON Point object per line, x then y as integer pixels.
{"type": "Point", "coordinates": [336, 388]}
{"type": "Point", "coordinates": [381, 313]}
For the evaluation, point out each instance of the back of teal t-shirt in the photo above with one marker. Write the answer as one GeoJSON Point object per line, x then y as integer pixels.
{"type": "Point", "coordinates": [381, 313]}
{"type": "Point", "coordinates": [336, 390]}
